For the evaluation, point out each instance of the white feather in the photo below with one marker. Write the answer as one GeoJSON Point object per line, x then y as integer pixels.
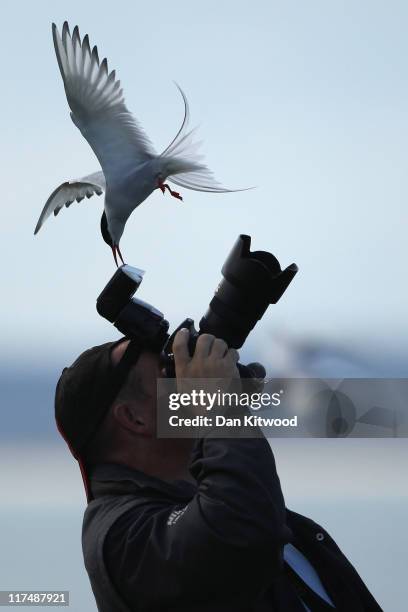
{"type": "Point", "coordinates": [98, 107]}
{"type": "Point", "coordinates": [185, 163]}
{"type": "Point", "coordinates": [69, 192]}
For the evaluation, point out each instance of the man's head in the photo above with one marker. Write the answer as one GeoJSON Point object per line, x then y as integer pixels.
{"type": "Point", "coordinates": [131, 413]}
{"type": "Point", "coordinates": [119, 405]}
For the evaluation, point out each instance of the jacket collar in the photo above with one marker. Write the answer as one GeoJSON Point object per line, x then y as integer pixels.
{"type": "Point", "coordinates": [115, 479]}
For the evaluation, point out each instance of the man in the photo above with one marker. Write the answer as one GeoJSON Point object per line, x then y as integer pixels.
{"type": "Point", "coordinates": [177, 525]}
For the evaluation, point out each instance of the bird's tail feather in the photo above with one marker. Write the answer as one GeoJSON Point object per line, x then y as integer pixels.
{"type": "Point", "coordinates": [183, 165]}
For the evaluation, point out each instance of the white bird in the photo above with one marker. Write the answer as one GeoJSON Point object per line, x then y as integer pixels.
{"type": "Point", "coordinates": [131, 169]}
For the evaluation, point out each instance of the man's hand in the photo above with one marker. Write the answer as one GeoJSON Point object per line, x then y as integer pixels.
{"type": "Point", "coordinates": [212, 358]}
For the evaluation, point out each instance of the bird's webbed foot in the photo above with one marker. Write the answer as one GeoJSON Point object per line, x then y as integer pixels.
{"type": "Point", "coordinates": [163, 186]}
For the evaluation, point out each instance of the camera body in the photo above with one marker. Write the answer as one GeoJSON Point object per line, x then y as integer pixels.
{"type": "Point", "coordinates": [251, 281]}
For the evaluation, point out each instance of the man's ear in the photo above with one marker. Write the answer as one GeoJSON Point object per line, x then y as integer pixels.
{"type": "Point", "coordinates": [129, 418]}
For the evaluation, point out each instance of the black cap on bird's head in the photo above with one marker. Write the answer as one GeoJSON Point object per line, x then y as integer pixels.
{"type": "Point", "coordinates": [108, 239]}
{"type": "Point", "coordinates": [104, 230]}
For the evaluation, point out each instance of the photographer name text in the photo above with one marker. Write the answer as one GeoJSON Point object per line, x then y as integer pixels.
{"type": "Point", "coordinates": [222, 421]}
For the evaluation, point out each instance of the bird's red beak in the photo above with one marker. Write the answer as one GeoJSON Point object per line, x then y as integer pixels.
{"type": "Point", "coordinates": [116, 251]}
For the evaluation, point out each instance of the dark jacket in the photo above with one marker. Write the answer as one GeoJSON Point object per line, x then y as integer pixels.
{"type": "Point", "coordinates": [216, 546]}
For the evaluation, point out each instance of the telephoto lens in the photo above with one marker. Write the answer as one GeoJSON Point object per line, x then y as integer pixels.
{"type": "Point", "coordinates": [251, 282]}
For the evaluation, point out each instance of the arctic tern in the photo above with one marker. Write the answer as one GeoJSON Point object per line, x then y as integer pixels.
{"type": "Point", "coordinates": [130, 168]}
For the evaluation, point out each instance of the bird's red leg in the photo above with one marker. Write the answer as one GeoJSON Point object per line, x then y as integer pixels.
{"type": "Point", "coordinates": [163, 186]}
{"type": "Point", "coordinates": [120, 254]}
{"type": "Point", "coordinates": [175, 194]}
{"type": "Point", "coordinates": [114, 255]}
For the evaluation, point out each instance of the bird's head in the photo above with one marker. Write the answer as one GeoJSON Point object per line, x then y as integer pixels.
{"type": "Point", "coordinates": [112, 237]}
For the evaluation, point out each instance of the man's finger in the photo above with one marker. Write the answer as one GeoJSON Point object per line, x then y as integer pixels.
{"type": "Point", "coordinates": [203, 346]}
{"type": "Point", "coordinates": [180, 347]}
{"type": "Point", "coordinates": [232, 355]}
{"type": "Point", "coordinates": [219, 348]}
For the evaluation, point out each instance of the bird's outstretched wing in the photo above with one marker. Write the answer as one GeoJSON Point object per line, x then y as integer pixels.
{"type": "Point", "coordinates": [68, 192]}
{"type": "Point", "coordinates": [98, 107]}
{"type": "Point", "coordinates": [184, 148]}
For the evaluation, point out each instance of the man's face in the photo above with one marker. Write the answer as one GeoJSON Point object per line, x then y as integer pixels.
{"type": "Point", "coordinates": [141, 384]}
{"type": "Point", "coordinates": [140, 394]}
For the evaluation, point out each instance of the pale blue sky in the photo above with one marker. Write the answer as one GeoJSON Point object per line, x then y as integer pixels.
{"type": "Point", "coordinates": [308, 101]}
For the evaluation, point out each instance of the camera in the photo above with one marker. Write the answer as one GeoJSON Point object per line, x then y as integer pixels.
{"type": "Point", "coordinates": [251, 281]}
